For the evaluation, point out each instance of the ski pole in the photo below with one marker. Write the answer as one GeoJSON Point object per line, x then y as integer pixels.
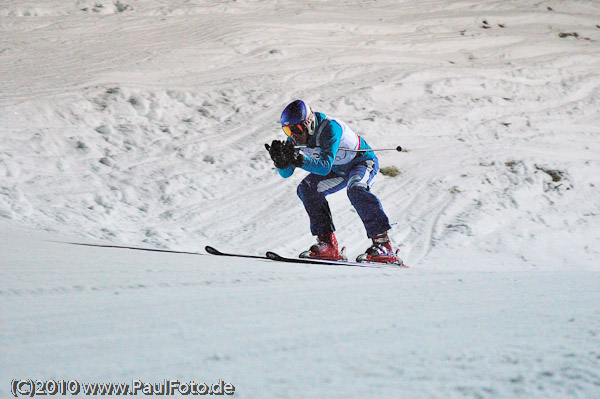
{"type": "Point", "coordinates": [399, 148]}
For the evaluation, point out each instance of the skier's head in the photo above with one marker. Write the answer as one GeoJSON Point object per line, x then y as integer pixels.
{"type": "Point", "coordinates": [298, 121]}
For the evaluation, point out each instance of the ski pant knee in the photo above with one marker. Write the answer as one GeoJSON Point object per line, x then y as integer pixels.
{"type": "Point", "coordinates": [369, 209]}
{"type": "Point", "coordinates": [317, 208]}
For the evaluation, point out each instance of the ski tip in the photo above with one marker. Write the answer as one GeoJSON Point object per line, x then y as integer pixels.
{"type": "Point", "coordinates": [211, 250]}
{"type": "Point", "coordinates": [272, 255]}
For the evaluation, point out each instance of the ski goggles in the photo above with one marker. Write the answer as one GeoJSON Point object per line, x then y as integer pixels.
{"type": "Point", "coordinates": [300, 128]}
{"type": "Point", "coordinates": [296, 130]}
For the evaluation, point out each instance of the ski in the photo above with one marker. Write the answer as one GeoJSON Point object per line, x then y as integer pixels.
{"type": "Point", "coordinates": [279, 258]}
{"type": "Point", "coordinates": [214, 251]}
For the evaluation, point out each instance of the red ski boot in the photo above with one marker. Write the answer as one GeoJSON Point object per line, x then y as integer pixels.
{"type": "Point", "coordinates": [325, 248]}
{"type": "Point", "coordinates": [380, 252]}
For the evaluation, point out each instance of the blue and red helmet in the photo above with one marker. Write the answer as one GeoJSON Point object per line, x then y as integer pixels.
{"type": "Point", "coordinates": [298, 118]}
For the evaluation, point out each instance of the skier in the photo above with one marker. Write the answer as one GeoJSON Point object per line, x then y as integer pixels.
{"type": "Point", "coordinates": [324, 141]}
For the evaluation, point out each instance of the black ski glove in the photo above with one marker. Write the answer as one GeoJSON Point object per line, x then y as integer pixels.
{"type": "Point", "coordinates": [289, 152]}
{"type": "Point", "coordinates": [277, 154]}
{"type": "Point", "coordinates": [284, 154]}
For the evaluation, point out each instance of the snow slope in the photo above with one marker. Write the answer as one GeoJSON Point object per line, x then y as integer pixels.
{"type": "Point", "coordinates": [294, 331]}
{"type": "Point", "coordinates": [143, 123]}
{"type": "Point", "coordinates": [147, 125]}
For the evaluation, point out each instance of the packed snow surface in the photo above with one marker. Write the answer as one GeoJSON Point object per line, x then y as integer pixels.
{"type": "Point", "coordinates": [143, 123]}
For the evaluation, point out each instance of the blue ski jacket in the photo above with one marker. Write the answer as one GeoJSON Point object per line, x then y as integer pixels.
{"type": "Point", "coordinates": [324, 153]}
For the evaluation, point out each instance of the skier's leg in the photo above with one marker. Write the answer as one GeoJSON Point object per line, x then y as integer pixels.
{"type": "Point", "coordinates": [312, 191]}
{"type": "Point", "coordinates": [367, 205]}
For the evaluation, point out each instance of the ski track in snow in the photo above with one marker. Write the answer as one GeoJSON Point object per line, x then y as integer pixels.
{"type": "Point", "coordinates": [144, 123]}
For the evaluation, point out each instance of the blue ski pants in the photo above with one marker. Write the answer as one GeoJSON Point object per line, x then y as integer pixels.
{"type": "Point", "coordinates": [358, 180]}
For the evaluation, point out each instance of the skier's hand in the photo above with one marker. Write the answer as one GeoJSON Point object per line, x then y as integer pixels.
{"type": "Point", "coordinates": [290, 154]}
{"type": "Point", "coordinates": [276, 151]}
{"type": "Point", "coordinates": [284, 154]}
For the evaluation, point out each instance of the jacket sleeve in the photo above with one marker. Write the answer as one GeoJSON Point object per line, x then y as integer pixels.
{"type": "Point", "coordinates": [329, 142]}
{"type": "Point", "coordinates": [287, 172]}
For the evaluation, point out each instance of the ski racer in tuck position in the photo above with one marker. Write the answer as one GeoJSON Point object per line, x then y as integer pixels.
{"type": "Point", "coordinates": [324, 143]}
